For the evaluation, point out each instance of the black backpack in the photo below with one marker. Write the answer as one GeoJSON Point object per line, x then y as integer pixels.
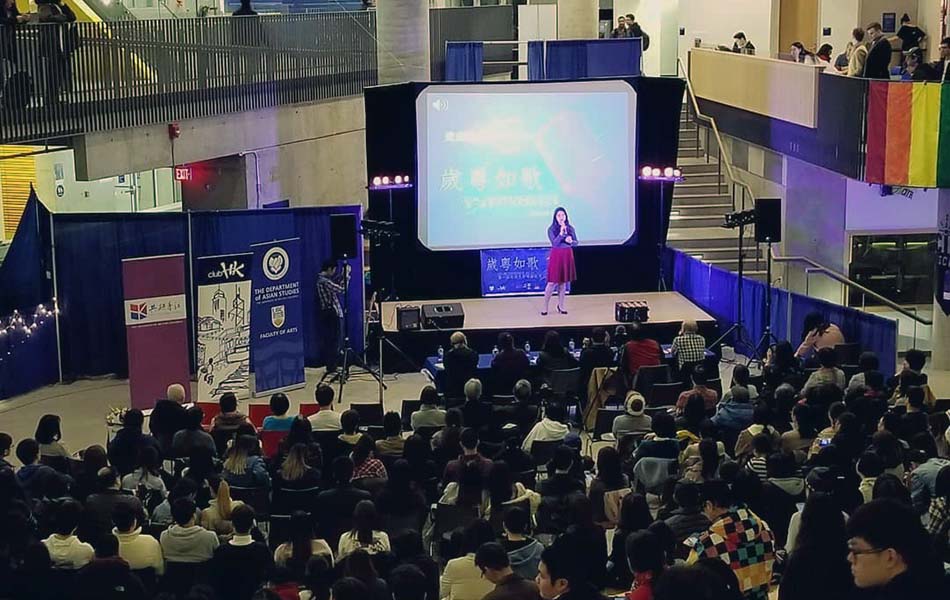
{"type": "Point", "coordinates": [17, 91]}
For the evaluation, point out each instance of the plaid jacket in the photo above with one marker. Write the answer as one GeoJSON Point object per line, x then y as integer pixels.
{"type": "Point", "coordinates": [744, 542]}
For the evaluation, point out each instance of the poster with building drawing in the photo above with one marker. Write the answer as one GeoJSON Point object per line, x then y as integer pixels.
{"type": "Point", "coordinates": [223, 326]}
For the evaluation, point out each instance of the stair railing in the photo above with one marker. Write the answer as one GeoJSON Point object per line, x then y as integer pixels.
{"type": "Point", "coordinates": [723, 153]}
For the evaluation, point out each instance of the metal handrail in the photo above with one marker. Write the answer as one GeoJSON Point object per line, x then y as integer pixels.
{"type": "Point", "coordinates": [712, 122]}
{"type": "Point", "coordinates": [841, 278]}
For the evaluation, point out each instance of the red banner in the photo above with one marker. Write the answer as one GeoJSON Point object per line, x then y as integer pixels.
{"type": "Point", "coordinates": [156, 326]}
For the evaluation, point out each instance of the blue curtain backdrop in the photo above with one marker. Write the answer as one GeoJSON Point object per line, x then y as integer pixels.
{"type": "Point", "coordinates": [714, 290]}
{"type": "Point", "coordinates": [90, 248]}
{"type": "Point", "coordinates": [580, 59]}
{"type": "Point", "coordinates": [32, 362]}
{"type": "Point", "coordinates": [535, 60]}
{"type": "Point", "coordinates": [464, 61]}
{"type": "Point", "coordinates": [23, 272]}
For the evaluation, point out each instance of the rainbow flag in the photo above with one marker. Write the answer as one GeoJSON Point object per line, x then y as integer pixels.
{"type": "Point", "coordinates": [908, 134]}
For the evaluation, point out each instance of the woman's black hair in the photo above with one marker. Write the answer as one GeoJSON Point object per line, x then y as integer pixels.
{"type": "Point", "coordinates": [610, 467]}
{"type": "Point", "coordinates": [500, 484]}
{"type": "Point", "coordinates": [48, 429]}
{"type": "Point", "coordinates": [554, 223]}
{"type": "Point", "coordinates": [552, 343]}
{"type": "Point", "coordinates": [814, 320]}
{"type": "Point", "coordinates": [709, 453]}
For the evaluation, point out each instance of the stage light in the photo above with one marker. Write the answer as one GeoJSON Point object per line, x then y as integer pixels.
{"type": "Point", "coordinates": [398, 179]}
{"type": "Point", "coordinates": [386, 180]}
{"type": "Point", "coordinates": [405, 179]}
{"type": "Point", "coordinates": [668, 172]}
{"type": "Point", "coordinates": [377, 180]}
{"type": "Point", "coordinates": [677, 173]}
{"type": "Point", "coordinates": [647, 171]}
{"type": "Point", "coordinates": [656, 172]}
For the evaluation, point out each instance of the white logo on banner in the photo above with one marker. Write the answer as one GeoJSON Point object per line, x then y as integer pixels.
{"type": "Point", "coordinates": [277, 316]}
{"type": "Point", "coordinates": [160, 309]}
{"type": "Point", "coordinates": [276, 263]}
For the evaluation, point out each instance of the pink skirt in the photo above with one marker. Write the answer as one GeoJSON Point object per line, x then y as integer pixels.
{"type": "Point", "coordinates": [561, 266]}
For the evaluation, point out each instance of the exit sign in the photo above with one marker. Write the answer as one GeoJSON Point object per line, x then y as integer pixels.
{"type": "Point", "coordinates": [182, 173]}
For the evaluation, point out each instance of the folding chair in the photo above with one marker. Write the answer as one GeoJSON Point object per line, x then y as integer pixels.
{"type": "Point", "coordinates": [543, 452]}
{"type": "Point", "coordinates": [209, 411]}
{"type": "Point", "coordinates": [256, 414]}
{"type": "Point", "coordinates": [448, 518]}
{"type": "Point", "coordinates": [664, 394]}
{"type": "Point", "coordinates": [270, 442]}
{"type": "Point", "coordinates": [715, 384]}
{"type": "Point", "coordinates": [307, 410]}
{"type": "Point", "coordinates": [647, 377]}
{"type": "Point", "coordinates": [848, 354]}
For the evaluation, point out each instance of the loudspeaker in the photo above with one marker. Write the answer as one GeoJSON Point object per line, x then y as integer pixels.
{"type": "Point", "coordinates": [408, 318]}
{"type": "Point", "coordinates": [443, 316]}
{"type": "Point", "coordinates": [343, 235]}
{"type": "Point", "coordinates": [768, 220]}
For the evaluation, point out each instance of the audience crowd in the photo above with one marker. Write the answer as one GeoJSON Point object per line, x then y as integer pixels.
{"type": "Point", "coordinates": [812, 478]}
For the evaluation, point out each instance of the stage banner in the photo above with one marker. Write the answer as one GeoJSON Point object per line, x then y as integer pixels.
{"type": "Point", "coordinates": [517, 271]}
{"type": "Point", "coordinates": [277, 317]}
{"type": "Point", "coordinates": [156, 326]}
{"type": "Point", "coordinates": [223, 325]}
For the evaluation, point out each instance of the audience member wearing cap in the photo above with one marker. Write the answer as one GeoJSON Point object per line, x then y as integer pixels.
{"type": "Point", "coordinates": [633, 421]}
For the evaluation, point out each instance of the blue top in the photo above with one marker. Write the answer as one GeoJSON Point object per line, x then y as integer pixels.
{"type": "Point", "coordinates": [558, 240]}
{"type": "Point", "coordinates": [275, 423]}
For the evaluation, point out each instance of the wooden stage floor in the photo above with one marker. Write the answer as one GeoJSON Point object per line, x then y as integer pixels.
{"type": "Point", "coordinates": [524, 312]}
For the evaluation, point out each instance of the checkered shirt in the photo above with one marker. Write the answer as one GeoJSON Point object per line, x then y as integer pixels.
{"type": "Point", "coordinates": [939, 517]}
{"type": "Point", "coordinates": [743, 541]}
{"type": "Point", "coordinates": [328, 291]}
{"type": "Point", "coordinates": [689, 348]}
{"type": "Point", "coordinates": [370, 468]}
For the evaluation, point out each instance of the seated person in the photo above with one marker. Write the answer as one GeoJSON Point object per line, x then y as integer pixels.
{"type": "Point", "coordinates": [470, 454]}
{"type": "Point", "coordinates": [562, 482]}
{"type": "Point", "coordinates": [429, 413]}
{"type": "Point", "coordinates": [278, 420]}
{"type": "Point", "coordinates": [827, 372]}
{"type": "Point", "coordinates": [229, 419]}
{"type": "Point", "coordinates": [640, 351]}
{"type": "Point", "coordinates": [818, 334]}
{"type": "Point", "coordinates": [710, 397]}
{"type": "Point", "coordinates": [689, 348]}
{"type": "Point", "coordinates": [243, 466]}
{"type": "Point", "coordinates": [663, 443]}
{"type": "Point", "coordinates": [186, 541]}
{"type": "Point", "coordinates": [734, 414]}
{"type": "Point", "coordinates": [242, 564]}
{"type": "Point", "coordinates": [97, 518]}
{"type": "Point", "coordinates": [598, 354]}
{"type": "Point", "coordinates": [867, 363]}
{"type": "Point", "coordinates": [910, 374]}
{"type": "Point", "coordinates": [65, 549]}
{"type": "Point", "coordinates": [336, 504]}
{"type": "Point", "coordinates": [509, 365]}
{"type": "Point", "coordinates": [554, 356]}
{"type": "Point", "coordinates": [168, 416]}
{"type": "Point", "coordinates": [37, 480]}
{"type": "Point", "coordinates": [550, 428]}
{"type": "Point", "coordinates": [761, 423]}
{"type": "Point", "coordinates": [741, 377]}
{"type": "Point", "coordinates": [326, 418]}
{"type": "Point", "coordinates": [392, 442]}
{"type": "Point", "coordinates": [140, 551]}
{"type": "Point", "coordinates": [192, 436]}
{"type": "Point", "coordinates": [365, 465]}
{"type": "Point", "coordinates": [474, 411]}
{"type": "Point", "coordinates": [460, 363]}
{"type": "Point", "coordinates": [350, 423]}
{"type": "Point", "coordinates": [633, 421]}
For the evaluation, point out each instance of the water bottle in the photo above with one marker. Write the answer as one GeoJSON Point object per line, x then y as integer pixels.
{"type": "Point", "coordinates": [441, 352]}
{"type": "Point", "coordinates": [571, 345]}
{"type": "Point", "coordinates": [494, 351]}
{"type": "Point", "coordinates": [527, 347]}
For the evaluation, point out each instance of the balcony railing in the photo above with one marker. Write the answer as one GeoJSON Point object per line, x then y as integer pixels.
{"type": "Point", "coordinates": [69, 79]}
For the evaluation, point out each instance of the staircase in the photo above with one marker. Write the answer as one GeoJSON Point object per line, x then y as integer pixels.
{"type": "Point", "coordinates": [699, 204]}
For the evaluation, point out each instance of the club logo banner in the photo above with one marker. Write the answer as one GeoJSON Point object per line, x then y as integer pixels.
{"type": "Point", "coordinates": [277, 317]}
{"type": "Point", "coordinates": [223, 328]}
{"type": "Point", "coordinates": [156, 326]}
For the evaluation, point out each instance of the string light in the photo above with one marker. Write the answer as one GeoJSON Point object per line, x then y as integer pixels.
{"type": "Point", "coordinates": [18, 329]}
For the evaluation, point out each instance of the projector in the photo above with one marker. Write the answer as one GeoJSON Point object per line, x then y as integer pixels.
{"type": "Point", "coordinates": [634, 311]}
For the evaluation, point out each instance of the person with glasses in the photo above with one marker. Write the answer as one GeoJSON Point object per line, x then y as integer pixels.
{"type": "Point", "coordinates": [891, 554]}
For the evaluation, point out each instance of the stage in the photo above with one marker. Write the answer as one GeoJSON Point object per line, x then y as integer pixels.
{"type": "Point", "coordinates": [485, 318]}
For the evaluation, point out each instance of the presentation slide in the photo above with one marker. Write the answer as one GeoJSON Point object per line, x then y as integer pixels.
{"type": "Point", "coordinates": [496, 160]}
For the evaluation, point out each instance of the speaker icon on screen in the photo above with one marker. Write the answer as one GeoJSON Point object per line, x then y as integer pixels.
{"type": "Point", "coordinates": [440, 105]}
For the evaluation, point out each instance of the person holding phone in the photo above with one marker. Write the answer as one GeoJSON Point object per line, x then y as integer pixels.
{"type": "Point", "coordinates": [561, 269]}
{"type": "Point", "coordinates": [329, 288]}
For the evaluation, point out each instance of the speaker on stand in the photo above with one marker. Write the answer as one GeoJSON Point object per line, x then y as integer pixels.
{"type": "Point", "coordinates": [768, 230]}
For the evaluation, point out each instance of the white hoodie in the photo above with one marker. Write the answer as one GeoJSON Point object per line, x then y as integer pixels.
{"type": "Point", "coordinates": [140, 551]}
{"type": "Point", "coordinates": [545, 430]}
{"type": "Point", "coordinates": [68, 552]}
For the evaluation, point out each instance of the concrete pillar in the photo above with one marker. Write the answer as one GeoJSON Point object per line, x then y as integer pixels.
{"type": "Point", "coordinates": [577, 19]}
{"type": "Point", "coordinates": [402, 44]}
{"type": "Point", "coordinates": [940, 334]}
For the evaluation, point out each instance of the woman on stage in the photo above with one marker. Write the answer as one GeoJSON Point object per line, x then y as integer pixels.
{"type": "Point", "coordinates": [561, 269]}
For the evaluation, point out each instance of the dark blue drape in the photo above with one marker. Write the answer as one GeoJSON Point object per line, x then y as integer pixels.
{"type": "Point", "coordinates": [535, 60]}
{"type": "Point", "coordinates": [23, 274]}
{"type": "Point", "coordinates": [31, 362]}
{"type": "Point", "coordinates": [89, 253]}
{"type": "Point", "coordinates": [90, 248]}
{"type": "Point", "coordinates": [579, 59]}
{"type": "Point", "coordinates": [464, 61]}
{"type": "Point", "coordinates": [714, 290]}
